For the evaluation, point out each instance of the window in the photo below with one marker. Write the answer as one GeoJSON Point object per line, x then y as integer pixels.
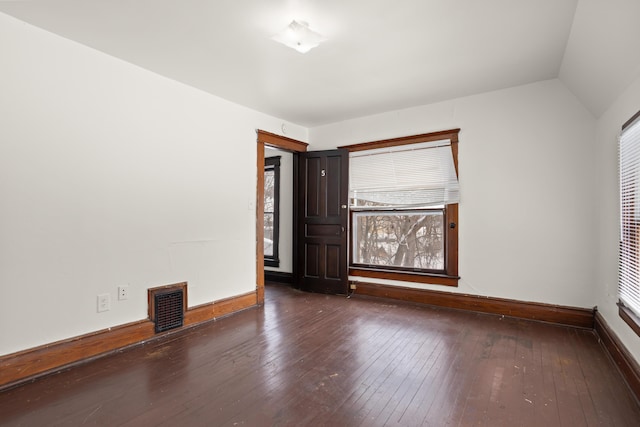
{"type": "Point", "coordinates": [271, 210]}
{"type": "Point", "coordinates": [629, 253]}
{"type": "Point", "coordinates": [404, 197]}
{"type": "Point", "coordinates": [402, 240]}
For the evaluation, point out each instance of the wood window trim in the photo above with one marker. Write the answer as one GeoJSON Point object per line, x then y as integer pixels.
{"type": "Point", "coordinates": [629, 122]}
{"type": "Point", "coordinates": [273, 163]}
{"type": "Point", "coordinates": [402, 276]}
{"type": "Point", "coordinates": [451, 134]}
{"type": "Point", "coordinates": [450, 278]}
{"type": "Point", "coordinates": [629, 317]}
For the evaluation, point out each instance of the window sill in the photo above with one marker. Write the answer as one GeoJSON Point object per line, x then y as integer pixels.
{"type": "Point", "coordinates": [272, 263]}
{"type": "Point", "coordinates": [629, 317]}
{"type": "Point", "coordinates": [427, 278]}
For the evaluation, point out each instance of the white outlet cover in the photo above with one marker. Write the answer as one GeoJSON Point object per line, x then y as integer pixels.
{"type": "Point", "coordinates": [104, 302]}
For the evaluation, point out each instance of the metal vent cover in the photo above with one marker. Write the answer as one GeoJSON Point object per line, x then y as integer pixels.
{"type": "Point", "coordinates": [169, 309]}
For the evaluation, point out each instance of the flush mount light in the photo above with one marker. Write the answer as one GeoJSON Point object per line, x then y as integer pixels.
{"type": "Point", "coordinates": [298, 36]}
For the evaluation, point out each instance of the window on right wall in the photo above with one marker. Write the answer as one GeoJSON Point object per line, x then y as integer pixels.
{"type": "Point", "coordinates": [629, 252]}
{"type": "Point", "coordinates": [404, 197]}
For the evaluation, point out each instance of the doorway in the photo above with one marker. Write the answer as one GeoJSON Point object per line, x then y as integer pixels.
{"type": "Point", "coordinates": [319, 216]}
{"type": "Point", "coordinates": [267, 139]}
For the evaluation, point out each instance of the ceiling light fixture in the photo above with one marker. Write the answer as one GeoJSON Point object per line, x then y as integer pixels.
{"type": "Point", "coordinates": [298, 36]}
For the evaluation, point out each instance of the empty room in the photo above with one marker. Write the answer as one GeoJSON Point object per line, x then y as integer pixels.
{"type": "Point", "coordinates": [304, 212]}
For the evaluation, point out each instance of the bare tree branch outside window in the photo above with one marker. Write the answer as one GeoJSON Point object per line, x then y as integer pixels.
{"type": "Point", "coordinates": [269, 203]}
{"type": "Point", "coordinates": [410, 239]}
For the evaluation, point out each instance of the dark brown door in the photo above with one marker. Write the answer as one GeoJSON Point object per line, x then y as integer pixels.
{"type": "Point", "coordinates": [322, 221]}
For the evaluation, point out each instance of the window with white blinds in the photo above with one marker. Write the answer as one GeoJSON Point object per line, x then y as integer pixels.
{"type": "Point", "coordinates": [404, 196]}
{"type": "Point", "coordinates": [416, 175]}
{"type": "Point", "coordinates": [629, 257]}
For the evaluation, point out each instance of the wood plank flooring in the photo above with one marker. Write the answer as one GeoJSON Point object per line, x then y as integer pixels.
{"type": "Point", "coordinates": [309, 359]}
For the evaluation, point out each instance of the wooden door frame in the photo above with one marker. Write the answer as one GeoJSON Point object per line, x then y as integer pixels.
{"type": "Point", "coordinates": [267, 139]}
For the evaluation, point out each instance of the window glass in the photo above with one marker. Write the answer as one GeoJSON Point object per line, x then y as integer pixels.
{"type": "Point", "coordinates": [408, 239]}
{"type": "Point", "coordinates": [269, 203]}
{"type": "Point", "coordinates": [271, 210]}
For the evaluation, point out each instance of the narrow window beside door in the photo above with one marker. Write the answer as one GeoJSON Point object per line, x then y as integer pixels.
{"type": "Point", "coordinates": [271, 210]}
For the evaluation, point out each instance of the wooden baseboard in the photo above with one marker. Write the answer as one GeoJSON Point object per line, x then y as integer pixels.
{"type": "Point", "coordinates": [571, 316]}
{"type": "Point", "coordinates": [627, 365]}
{"type": "Point", "coordinates": [29, 364]}
{"type": "Point", "coordinates": [278, 276]}
{"type": "Point", "coordinates": [220, 308]}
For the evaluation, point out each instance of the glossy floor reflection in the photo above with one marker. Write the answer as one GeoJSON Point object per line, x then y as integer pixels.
{"type": "Point", "coordinates": [309, 359]}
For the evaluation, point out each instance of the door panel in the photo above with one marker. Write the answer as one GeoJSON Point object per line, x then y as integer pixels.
{"type": "Point", "coordinates": [313, 196]}
{"type": "Point", "coordinates": [323, 230]}
{"type": "Point", "coordinates": [332, 263]}
{"type": "Point", "coordinates": [312, 260]}
{"type": "Point", "coordinates": [334, 182]}
{"type": "Point", "coordinates": [322, 195]}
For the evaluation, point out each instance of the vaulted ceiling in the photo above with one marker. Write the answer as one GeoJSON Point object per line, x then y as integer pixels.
{"type": "Point", "coordinates": [380, 55]}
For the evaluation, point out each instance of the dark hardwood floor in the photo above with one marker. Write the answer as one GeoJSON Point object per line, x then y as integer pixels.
{"type": "Point", "coordinates": [309, 359]}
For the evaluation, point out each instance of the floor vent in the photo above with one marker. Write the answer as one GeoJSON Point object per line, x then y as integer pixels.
{"type": "Point", "coordinates": [167, 306]}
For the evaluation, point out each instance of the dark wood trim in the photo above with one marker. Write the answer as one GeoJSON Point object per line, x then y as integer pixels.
{"type": "Point", "coordinates": [296, 222]}
{"type": "Point", "coordinates": [278, 141]}
{"type": "Point", "coordinates": [451, 134]}
{"type": "Point", "coordinates": [284, 143]}
{"type": "Point", "coordinates": [273, 163]}
{"type": "Point", "coordinates": [629, 317]}
{"type": "Point", "coordinates": [627, 365]}
{"type": "Point", "coordinates": [629, 122]}
{"type": "Point", "coordinates": [151, 292]}
{"type": "Point", "coordinates": [454, 153]}
{"type": "Point", "coordinates": [278, 276]}
{"type": "Point", "coordinates": [571, 316]}
{"type": "Point", "coordinates": [451, 227]}
{"type": "Point", "coordinates": [219, 308]}
{"type": "Point", "coordinates": [30, 364]}
{"type": "Point", "coordinates": [405, 276]}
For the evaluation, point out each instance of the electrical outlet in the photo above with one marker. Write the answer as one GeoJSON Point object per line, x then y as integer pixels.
{"type": "Point", "coordinates": [352, 286]}
{"type": "Point", "coordinates": [123, 292]}
{"type": "Point", "coordinates": [104, 302]}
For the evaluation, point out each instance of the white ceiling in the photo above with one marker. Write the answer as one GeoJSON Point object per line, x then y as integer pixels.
{"type": "Point", "coordinates": [380, 55]}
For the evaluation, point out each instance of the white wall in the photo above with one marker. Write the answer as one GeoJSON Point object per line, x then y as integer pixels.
{"type": "Point", "coordinates": [607, 202]}
{"type": "Point", "coordinates": [285, 250]}
{"type": "Point", "coordinates": [527, 212]}
{"type": "Point", "coordinates": [111, 175]}
{"type": "Point", "coordinates": [602, 57]}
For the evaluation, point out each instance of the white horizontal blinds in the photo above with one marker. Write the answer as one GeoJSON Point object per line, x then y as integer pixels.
{"type": "Point", "coordinates": [420, 174]}
{"type": "Point", "coordinates": [629, 259]}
